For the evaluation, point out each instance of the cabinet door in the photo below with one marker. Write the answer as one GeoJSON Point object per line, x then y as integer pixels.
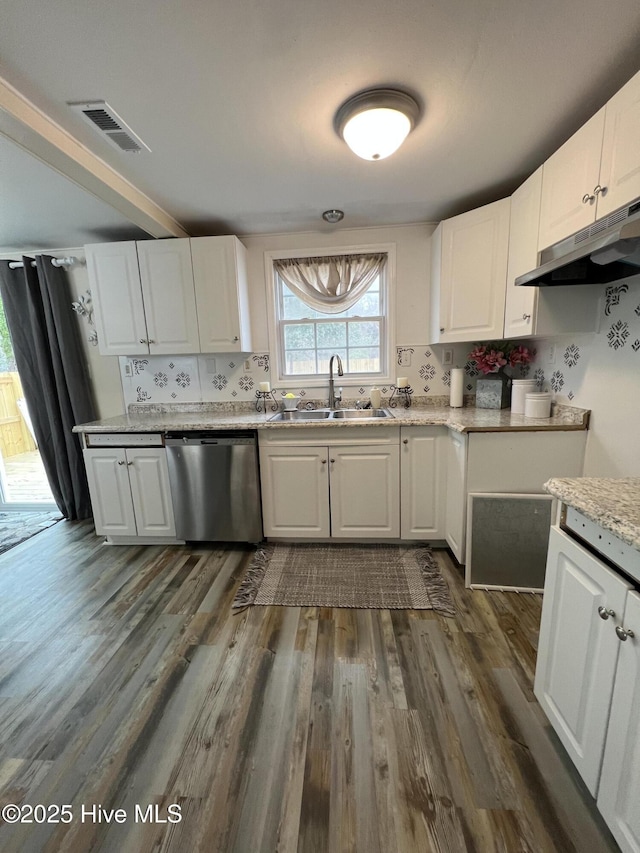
{"type": "Point", "coordinates": [365, 492]}
{"type": "Point", "coordinates": [219, 270]}
{"type": "Point", "coordinates": [108, 477]}
{"type": "Point", "coordinates": [520, 303]}
{"type": "Point", "coordinates": [169, 297]}
{"type": "Point", "coordinates": [423, 469]}
{"type": "Point", "coordinates": [114, 280]}
{"type": "Point", "coordinates": [295, 491]}
{"type": "Point", "coordinates": [456, 501]}
{"type": "Point", "coordinates": [619, 791]}
{"type": "Point", "coordinates": [149, 479]}
{"type": "Point", "coordinates": [620, 166]}
{"type": "Point", "coordinates": [567, 177]}
{"type": "Point", "coordinates": [578, 649]}
{"type": "Point", "coordinates": [473, 274]}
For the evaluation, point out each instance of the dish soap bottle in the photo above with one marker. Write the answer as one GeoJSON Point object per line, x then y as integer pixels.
{"type": "Point", "coordinates": [376, 397]}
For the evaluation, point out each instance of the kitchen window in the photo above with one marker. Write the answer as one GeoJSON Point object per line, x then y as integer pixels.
{"type": "Point", "coordinates": [307, 334]}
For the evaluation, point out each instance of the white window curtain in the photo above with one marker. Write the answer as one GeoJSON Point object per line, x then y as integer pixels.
{"type": "Point", "coordinates": [331, 284]}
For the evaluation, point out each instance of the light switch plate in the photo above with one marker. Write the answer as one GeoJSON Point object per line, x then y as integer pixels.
{"type": "Point", "coordinates": [447, 357]}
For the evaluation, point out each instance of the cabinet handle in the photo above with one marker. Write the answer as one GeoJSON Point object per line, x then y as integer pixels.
{"type": "Point", "coordinates": [526, 317]}
{"type": "Point", "coordinates": [598, 189]}
{"type": "Point", "coordinates": [623, 633]}
{"type": "Point", "coordinates": [405, 441]}
{"type": "Point", "coordinates": [332, 461]}
{"type": "Point", "coordinates": [323, 461]}
{"type": "Point", "coordinates": [603, 613]}
{"type": "Point", "coordinates": [120, 462]}
{"type": "Point", "coordinates": [586, 198]}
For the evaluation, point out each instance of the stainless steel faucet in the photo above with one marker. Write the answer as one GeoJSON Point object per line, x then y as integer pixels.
{"type": "Point", "coordinates": [332, 394]}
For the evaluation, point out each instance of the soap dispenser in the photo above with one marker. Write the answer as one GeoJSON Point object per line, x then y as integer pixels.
{"type": "Point", "coordinates": [376, 397]}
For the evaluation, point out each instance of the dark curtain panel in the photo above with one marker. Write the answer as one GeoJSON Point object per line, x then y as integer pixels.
{"type": "Point", "coordinates": [53, 372]}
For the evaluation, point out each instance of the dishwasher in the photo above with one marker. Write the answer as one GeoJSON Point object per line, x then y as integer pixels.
{"type": "Point", "coordinates": [215, 485]}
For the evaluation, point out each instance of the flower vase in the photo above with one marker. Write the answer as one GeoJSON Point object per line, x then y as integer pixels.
{"type": "Point", "coordinates": [493, 391]}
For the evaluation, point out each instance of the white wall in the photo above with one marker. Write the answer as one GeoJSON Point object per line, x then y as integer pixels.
{"type": "Point", "coordinates": [601, 372]}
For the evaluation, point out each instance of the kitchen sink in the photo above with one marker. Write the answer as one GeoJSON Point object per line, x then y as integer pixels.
{"type": "Point", "coordinates": [327, 414]}
{"type": "Point", "coordinates": [361, 414]}
{"type": "Point", "coordinates": [304, 415]}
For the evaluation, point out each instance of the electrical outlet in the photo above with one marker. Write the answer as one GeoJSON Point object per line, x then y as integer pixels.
{"type": "Point", "coordinates": [247, 365]}
{"type": "Point", "coordinates": [405, 358]}
{"type": "Point", "coordinates": [551, 358]}
{"type": "Point", "coordinates": [447, 357]}
{"type": "Point", "coordinates": [128, 369]}
{"type": "Point", "coordinates": [211, 366]}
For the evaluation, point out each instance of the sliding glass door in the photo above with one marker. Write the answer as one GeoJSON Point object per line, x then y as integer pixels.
{"type": "Point", "coordinates": [23, 482]}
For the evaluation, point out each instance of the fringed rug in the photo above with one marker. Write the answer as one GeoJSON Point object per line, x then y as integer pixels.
{"type": "Point", "coordinates": [367, 576]}
{"type": "Point", "coordinates": [15, 527]}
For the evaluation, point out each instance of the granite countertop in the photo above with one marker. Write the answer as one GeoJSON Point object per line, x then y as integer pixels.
{"type": "Point", "coordinates": [614, 504]}
{"type": "Point", "coordinates": [466, 419]}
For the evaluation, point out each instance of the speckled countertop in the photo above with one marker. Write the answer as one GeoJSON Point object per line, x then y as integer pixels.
{"type": "Point", "coordinates": [460, 420]}
{"type": "Point", "coordinates": [614, 504]}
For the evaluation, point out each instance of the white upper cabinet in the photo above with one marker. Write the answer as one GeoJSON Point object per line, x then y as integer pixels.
{"type": "Point", "coordinates": [168, 294]}
{"type": "Point", "coordinates": [114, 279]}
{"type": "Point", "coordinates": [220, 274]}
{"type": "Point", "coordinates": [469, 270]}
{"type": "Point", "coordinates": [152, 297]}
{"type": "Point", "coordinates": [540, 310]}
{"type": "Point", "coordinates": [596, 171]}
{"type": "Point", "coordinates": [144, 297]}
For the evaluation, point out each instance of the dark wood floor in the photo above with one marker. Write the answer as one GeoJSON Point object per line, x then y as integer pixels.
{"type": "Point", "coordinates": [124, 680]}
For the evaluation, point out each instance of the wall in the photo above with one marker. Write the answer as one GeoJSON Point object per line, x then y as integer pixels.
{"type": "Point", "coordinates": [601, 372]}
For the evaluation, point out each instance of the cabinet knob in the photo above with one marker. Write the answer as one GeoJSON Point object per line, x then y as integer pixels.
{"type": "Point", "coordinates": [597, 190]}
{"type": "Point", "coordinates": [120, 462]}
{"type": "Point", "coordinates": [603, 613]}
{"type": "Point", "coordinates": [236, 339]}
{"type": "Point", "coordinates": [526, 317]}
{"type": "Point", "coordinates": [586, 198]}
{"type": "Point", "coordinates": [150, 341]}
{"type": "Point", "coordinates": [142, 341]}
{"type": "Point", "coordinates": [442, 328]}
{"type": "Point", "coordinates": [623, 633]}
{"type": "Point", "coordinates": [332, 461]}
{"type": "Point", "coordinates": [323, 461]}
{"type": "Point", "coordinates": [405, 441]}
{"type": "Point", "coordinates": [129, 463]}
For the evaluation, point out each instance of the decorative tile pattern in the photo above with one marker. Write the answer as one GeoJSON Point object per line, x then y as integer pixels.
{"type": "Point", "coordinates": [571, 355]}
{"type": "Point", "coordinates": [618, 334]}
{"type": "Point", "coordinates": [635, 346]}
{"type": "Point", "coordinates": [161, 379]}
{"type": "Point", "coordinates": [427, 371]}
{"type": "Point", "coordinates": [219, 381]}
{"type": "Point", "coordinates": [138, 365]}
{"type": "Point", "coordinates": [262, 361]}
{"type": "Point", "coordinates": [400, 351]}
{"type": "Point", "coordinates": [539, 377]}
{"type": "Point", "coordinates": [246, 383]}
{"type": "Point", "coordinates": [557, 381]}
{"type": "Point", "coordinates": [471, 369]}
{"type": "Point", "coordinates": [183, 379]}
{"type": "Point", "coordinates": [612, 296]}
{"type": "Point", "coordinates": [142, 395]}
{"type": "Point", "coordinates": [571, 395]}
{"type": "Point", "coordinates": [446, 378]}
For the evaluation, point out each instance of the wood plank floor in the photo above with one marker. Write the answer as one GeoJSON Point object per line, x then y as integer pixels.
{"type": "Point", "coordinates": [125, 680]}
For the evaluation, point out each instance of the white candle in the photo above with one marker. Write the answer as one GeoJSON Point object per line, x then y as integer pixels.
{"type": "Point", "coordinates": [457, 381]}
{"type": "Point", "coordinates": [402, 382]}
{"type": "Point", "coordinates": [265, 387]}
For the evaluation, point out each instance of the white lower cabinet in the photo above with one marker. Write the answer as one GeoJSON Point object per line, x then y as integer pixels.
{"type": "Point", "coordinates": [130, 492]}
{"type": "Point", "coordinates": [588, 678]}
{"type": "Point", "coordinates": [456, 500]}
{"type": "Point", "coordinates": [423, 482]}
{"type": "Point", "coordinates": [342, 491]}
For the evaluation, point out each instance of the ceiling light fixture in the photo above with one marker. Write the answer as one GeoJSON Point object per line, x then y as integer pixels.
{"type": "Point", "coordinates": [333, 216]}
{"type": "Point", "coordinates": [375, 123]}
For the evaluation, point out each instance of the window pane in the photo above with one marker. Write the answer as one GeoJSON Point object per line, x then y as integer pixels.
{"type": "Point", "coordinates": [294, 309]}
{"type": "Point", "coordinates": [364, 360]}
{"type": "Point", "coordinates": [332, 334]}
{"type": "Point", "coordinates": [300, 362]}
{"type": "Point", "coordinates": [325, 355]}
{"type": "Point", "coordinates": [367, 306]}
{"type": "Point", "coordinates": [364, 334]}
{"type": "Point", "coordinates": [299, 336]}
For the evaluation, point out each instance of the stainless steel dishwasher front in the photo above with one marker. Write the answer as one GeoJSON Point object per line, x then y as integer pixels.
{"type": "Point", "coordinates": [215, 486]}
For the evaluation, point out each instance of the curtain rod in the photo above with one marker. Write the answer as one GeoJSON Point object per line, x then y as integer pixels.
{"type": "Point", "coordinates": [56, 262]}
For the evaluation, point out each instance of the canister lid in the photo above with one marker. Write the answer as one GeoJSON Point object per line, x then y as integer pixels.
{"type": "Point", "coordinates": [524, 381]}
{"type": "Point", "coordinates": [538, 395]}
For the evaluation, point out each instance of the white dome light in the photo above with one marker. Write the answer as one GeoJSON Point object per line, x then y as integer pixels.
{"type": "Point", "coordinates": [375, 123]}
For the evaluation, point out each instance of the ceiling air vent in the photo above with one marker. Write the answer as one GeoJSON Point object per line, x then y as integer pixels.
{"type": "Point", "coordinates": [108, 123]}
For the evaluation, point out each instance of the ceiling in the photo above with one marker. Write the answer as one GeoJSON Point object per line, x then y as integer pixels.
{"type": "Point", "coordinates": [236, 101]}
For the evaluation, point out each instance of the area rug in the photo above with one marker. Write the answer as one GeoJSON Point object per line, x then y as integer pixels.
{"type": "Point", "coordinates": [362, 576]}
{"type": "Point", "coordinates": [15, 527]}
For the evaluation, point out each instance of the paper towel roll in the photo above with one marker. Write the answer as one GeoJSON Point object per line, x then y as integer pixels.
{"type": "Point", "coordinates": [457, 385]}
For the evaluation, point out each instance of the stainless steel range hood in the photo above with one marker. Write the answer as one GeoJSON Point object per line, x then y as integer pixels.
{"type": "Point", "coordinates": [607, 251]}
